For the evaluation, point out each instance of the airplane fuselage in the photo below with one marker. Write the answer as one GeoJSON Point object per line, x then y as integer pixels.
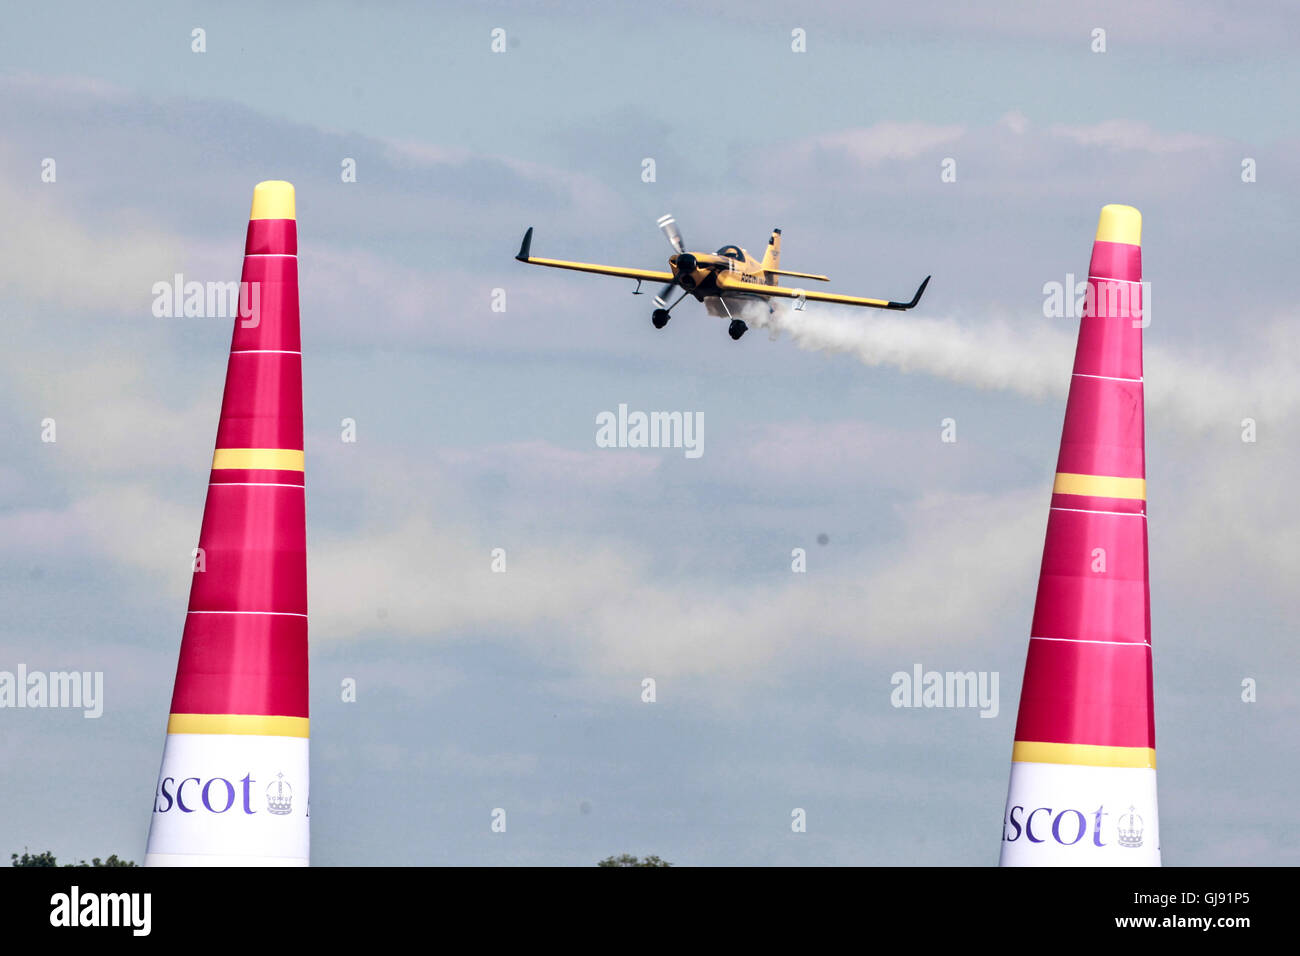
{"type": "Point", "coordinates": [697, 272]}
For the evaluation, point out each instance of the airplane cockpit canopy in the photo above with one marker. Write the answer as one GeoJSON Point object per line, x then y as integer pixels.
{"type": "Point", "coordinates": [732, 252]}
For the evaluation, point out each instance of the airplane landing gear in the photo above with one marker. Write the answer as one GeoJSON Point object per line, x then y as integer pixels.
{"type": "Point", "coordinates": [737, 328]}
{"type": "Point", "coordinates": [660, 315]}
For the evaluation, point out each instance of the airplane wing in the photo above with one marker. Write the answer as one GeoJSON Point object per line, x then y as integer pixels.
{"type": "Point", "coordinates": [524, 255]}
{"type": "Point", "coordinates": [798, 275]}
{"type": "Point", "coordinates": [729, 284]}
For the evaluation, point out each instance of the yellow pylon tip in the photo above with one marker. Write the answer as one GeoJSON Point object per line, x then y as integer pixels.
{"type": "Point", "coordinates": [273, 199]}
{"type": "Point", "coordinates": [1120, 224]}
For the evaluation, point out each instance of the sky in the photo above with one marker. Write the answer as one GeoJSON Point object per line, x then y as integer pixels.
{"type": "Point", "coordinates": [476, 428]}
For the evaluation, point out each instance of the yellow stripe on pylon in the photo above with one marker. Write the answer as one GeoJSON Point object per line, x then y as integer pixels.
{"type": "Point", "coordinates": [273, 459]}
{"type": "Point", "coordinates": [1099, 486]}
{"type": "Point", "coordinates": [263, 726]}
{"type": "Point", "coordinates": [1083, 755]}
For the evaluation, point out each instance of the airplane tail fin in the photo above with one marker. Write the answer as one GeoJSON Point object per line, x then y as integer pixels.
{"type": "Point", "coordinates": [772, 257]}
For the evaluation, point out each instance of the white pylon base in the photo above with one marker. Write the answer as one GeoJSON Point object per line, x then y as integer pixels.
{"type": "Point", "coordinates": [1069, 815]}
{"type": "Point", "coordinates": [181, 859]}
{"type": "Point", "coordinates": [231, 800]}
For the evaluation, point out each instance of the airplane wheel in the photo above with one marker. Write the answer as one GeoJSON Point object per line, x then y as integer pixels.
{"type": "Point", "coordinates": [659, 318]}
{"type": "Point", "coordinates": [737, 328]}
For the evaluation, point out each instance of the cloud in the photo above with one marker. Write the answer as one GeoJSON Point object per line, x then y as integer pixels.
{"type": "Point", "coordinates": [59, 261]}
{"type": "Point", "coordinates": [583, 197]}
{"type": "Point", "coordinates": [417, 221]}
{"type": "Point", "coordinates": [600, 608]}
{"type": "Point", "coordinates": [819, 459]}
{"type": "Point", "coordinates": [871, 146]}
{"type": "Point", "coordinates": [543, 464]}
{"type": "Point", "coordinates": [1201, 27]}
{"type": "Point", "coordinates": [1126, 134]}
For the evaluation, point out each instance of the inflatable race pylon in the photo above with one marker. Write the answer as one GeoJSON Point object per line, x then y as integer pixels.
{"type": "Point", "coordinates": [233, 788]}
{"type": "Point", "coordinates": [1083, 771]}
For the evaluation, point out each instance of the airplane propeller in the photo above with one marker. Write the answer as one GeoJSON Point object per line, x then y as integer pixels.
{"type": "Point", "coordinates": [669, 226]}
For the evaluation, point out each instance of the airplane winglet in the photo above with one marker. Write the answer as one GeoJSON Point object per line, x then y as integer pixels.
{"type": "Point", "coordinates": [525, 248]}
{"type": "Point", "coordinates": [915, 299]}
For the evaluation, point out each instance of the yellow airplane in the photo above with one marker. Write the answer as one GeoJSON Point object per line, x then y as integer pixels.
{"type": "Point", "coordinates": [729, 275]}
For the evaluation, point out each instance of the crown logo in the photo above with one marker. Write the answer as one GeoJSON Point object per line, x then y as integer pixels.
{"type": "Point", "coordinates": [1130, 829]}
{"type": "Point", "coordinates": [279, 796]}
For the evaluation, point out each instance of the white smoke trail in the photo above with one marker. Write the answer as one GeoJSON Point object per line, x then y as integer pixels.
{"type": "Point", "coordinates": [1034, 357]}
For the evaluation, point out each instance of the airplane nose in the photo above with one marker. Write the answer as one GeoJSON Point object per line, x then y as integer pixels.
{"type": "Point", "coordinates": [686, 264]}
